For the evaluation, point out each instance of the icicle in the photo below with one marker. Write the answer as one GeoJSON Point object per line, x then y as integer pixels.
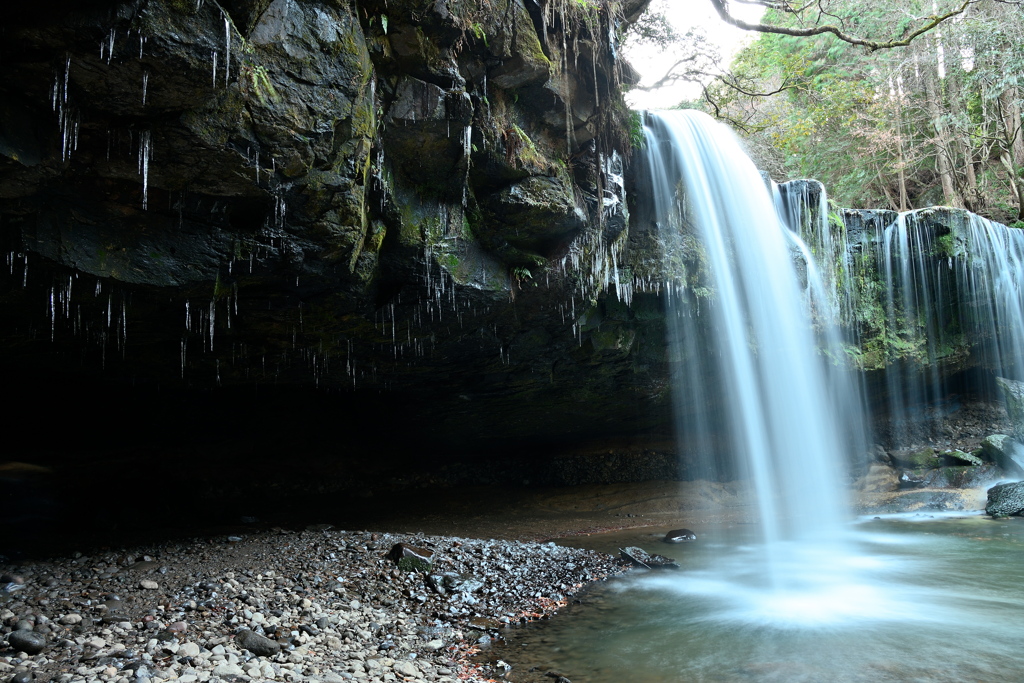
{"type": "Point", "coordinates": [145, 84]}
{"type": "Point", "coordinates": [227, 50]}
{"type": "Point", "coordinates": [145, 153]}
{"type": "Point", "coordinates": [214, 53]}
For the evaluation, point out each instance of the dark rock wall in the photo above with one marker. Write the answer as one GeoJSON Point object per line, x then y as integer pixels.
{"type": "Point", "coordinates": [409, 210]}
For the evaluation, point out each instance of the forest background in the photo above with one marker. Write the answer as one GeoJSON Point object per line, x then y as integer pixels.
{"type": "Point", "coordinates": [897, 105]}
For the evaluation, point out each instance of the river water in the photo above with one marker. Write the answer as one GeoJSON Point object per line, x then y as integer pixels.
{"type": "Point", "coordinates": [919, 598]}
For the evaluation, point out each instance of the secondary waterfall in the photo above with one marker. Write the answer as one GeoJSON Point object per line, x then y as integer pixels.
{"type": "Point", "coordinates": [952, 283]}
{"type": "Point", "coordinates": [756, 373]}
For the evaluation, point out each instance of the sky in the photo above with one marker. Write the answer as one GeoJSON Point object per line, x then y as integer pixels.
{"type": "Point", "coordinates": [651, 62]}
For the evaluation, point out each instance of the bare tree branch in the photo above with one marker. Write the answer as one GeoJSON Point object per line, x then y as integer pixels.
{"type": "Point", "coordinates": [787, 84]}
{"type": "Point", "coordinates": [671, 76]}
{"type": "Point", "coordinates": [722, 7]}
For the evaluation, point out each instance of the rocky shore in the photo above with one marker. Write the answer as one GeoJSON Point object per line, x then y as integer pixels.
{"type": "Point", "coordinates": [312, 605]}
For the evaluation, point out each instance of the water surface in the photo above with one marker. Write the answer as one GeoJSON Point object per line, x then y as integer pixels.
{"type": "Point", "coordinates": [912, 599]}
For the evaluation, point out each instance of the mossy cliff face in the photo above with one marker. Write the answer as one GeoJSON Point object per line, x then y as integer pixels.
{"type": "Point", "coordinates": [410, 199]}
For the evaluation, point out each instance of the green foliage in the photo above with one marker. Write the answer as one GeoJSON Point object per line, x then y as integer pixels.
{"type": "Point", "coordinates": [479, 32]}
{"type": "Point", "coordinates": [944, 246]}
{"type": "Point", "coordinates": [256, 80]}
{"type": "Point", "coordinates": [874, 126]}
{"type": "Point", "coordinates": [636, 130]}
{"type": "Point", "coordinates": [521, 274]}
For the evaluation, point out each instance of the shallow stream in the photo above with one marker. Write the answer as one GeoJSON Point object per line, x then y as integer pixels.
{"type": "Point", "coordinates": [912, 598]}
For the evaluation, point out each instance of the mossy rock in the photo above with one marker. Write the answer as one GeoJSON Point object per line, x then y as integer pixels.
{"type": "Point", "coordinates": [414, 564]}
{"type": "Point", "coordinates": [959, 458]}
{"type": "Point", "coordinates": [921, 459]}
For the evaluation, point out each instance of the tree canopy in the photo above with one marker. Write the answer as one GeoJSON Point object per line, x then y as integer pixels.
{"type": "Point", "coordinates": [900, 105]}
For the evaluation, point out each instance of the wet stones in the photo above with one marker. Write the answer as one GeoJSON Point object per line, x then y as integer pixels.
{"type": "Point", "coordinates": [325, 605]}
{"type": "Point", "coordinates": [1005, 500]}
{"type": "Point", "coordinates": [28, 642]}
{"type": "Point", "coordinates": [639, 557]}
{"type": "Point", "coordinates": [260, 646]}
{"type": "Point", "coordinates": [679, 536]}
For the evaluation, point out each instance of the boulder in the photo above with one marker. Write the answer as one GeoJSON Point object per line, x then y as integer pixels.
{"type": "Point", "coordinates": [411, 558]}
{"type": "Point", "coordinates": [1005, 451]}
{"type": "Point", "coordinates": [958, 458]}
{"type": "Point", "coordinates": [261, 646]}
{"type": "Point", "coordinates": [679, 536]}
{"type": "Point", "coordinates": [922, 458]}
{"type": "Point", "coordinates": [1005, 499]}
{"type": "Point", "coordinates": [879, 479]}
{"type": "Point", "coordinates": [1013, 397]}
{"type": "Point", "coordinates": [961, 477]}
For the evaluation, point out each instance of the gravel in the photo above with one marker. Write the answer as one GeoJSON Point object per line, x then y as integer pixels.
{"type": "Point", "coordinates": [315, 605]}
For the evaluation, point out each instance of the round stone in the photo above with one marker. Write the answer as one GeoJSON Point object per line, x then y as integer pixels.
{"type": "Point", "coordinates": [27, 642]}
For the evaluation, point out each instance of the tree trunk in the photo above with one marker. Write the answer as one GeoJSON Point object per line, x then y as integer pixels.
{"type": "Point", "coordinates": [943, 156]}
{"type": "Point", "coordinates": [971, 196]}
{"type": "Point", "coordinates": [1013, 110]}
{"type": "Point", "coordinates": [1016, 183]}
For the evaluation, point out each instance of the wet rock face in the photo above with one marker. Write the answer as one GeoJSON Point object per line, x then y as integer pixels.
{"type": "Point", "coordinates": [1005, 451]}
{"type": "Point", "coordinates": [291, 191]}
{"type": "Point", "coordinates": [1013, 396]}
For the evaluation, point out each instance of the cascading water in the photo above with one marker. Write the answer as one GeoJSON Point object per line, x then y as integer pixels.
{"type": "Point", "coordinates": [805, 594]}
{"type": "Point", "coordinates": [952, 283]}
{"type": "Point", "coordinates": [751, 380]}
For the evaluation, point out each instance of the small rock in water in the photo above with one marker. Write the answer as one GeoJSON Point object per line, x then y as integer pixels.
{"type": "Point", "coordinates": [28, 642]}
{"type": "Point", "coordinates": [21, 677]}
{"type": "Point", "coordinates": [679, 536]}
{"type": "Point", "coordinates": [149, 585]}
{"type": "Point", "coordinates": [641, 558]}
{"type": "Point", "coordinates": [260, 646]}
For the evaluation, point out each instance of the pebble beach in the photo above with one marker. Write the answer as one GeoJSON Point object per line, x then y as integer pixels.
{"type": "Point", "coordinates": [282, 605]}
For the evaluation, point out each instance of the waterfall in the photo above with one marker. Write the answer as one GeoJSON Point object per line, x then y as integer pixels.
{"type": "Point", "coordinates": [952, 299]}
{"type": "Point", "coordinates": [756, 374]}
